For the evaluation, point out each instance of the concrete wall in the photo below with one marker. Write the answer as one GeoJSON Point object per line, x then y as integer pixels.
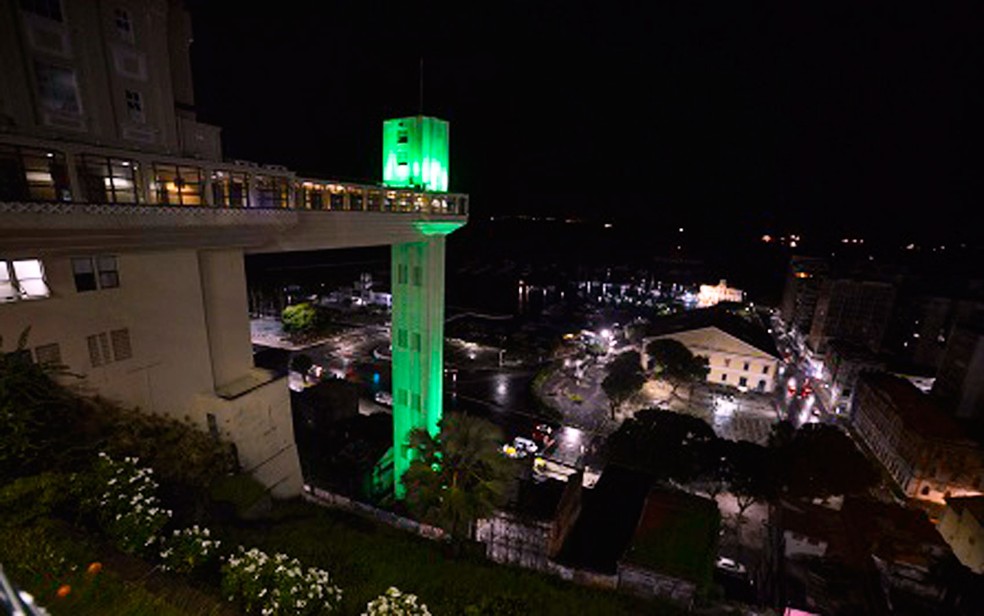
{"type": "Point", "coordinates": [965, 535]}
{"type": "Point", "coordinates": [181, 338]}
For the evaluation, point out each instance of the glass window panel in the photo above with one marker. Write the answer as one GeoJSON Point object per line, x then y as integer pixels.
{"type": "Point", "coordinates": [30, 278]}
{"type": "Point", "coordinates": [7, 291]}
{"type": "Point", "coordinates": [84, 273]}
{"type": "Point", "coordinates": [25, 270]}
{"type": "Point", "coordinates": [57, 88]}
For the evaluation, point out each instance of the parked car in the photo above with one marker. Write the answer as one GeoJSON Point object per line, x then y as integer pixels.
{"type": "Point", "coordinates": [730, 565]}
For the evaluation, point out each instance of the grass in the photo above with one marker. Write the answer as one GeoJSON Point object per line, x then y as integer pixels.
{"type": "Point", "coordinates": [50, 555]}
{"type": "Point", "coordinates": [365, 558]}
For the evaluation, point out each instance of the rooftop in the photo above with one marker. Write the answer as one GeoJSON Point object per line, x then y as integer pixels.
{"type": "Point", "coordinates": [720, 318]}
{"type": "Point", "coordinates": [676, 535]}
{"type": "Point", "coordinates": [918, 411]}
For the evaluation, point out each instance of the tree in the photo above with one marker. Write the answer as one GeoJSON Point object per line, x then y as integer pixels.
{"type": "Point", "coordinates": [624, 379]}
{"type": "Point", "coordinates": [39, 420]}
{"type": "Point", "coordinates": [667, 445]}
{"type": "Point", "coordinates": [821, 460]}
{"type": "Point", "coordinates": [673, 362]}
{"type": "Point", "coordinates": [299, 318]}
{"type": "Point", "coordinates": [459, 476]}
{"type": "Point", "coordinates": [747, 469]}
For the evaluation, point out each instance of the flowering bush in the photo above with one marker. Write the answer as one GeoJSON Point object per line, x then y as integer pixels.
{"type": "Point", "coordinates": [395, 603]}
{"type": "Point", "coordinates": [188, 549]}
{"type": "Point", "coordinates": [126, 507]}
{"type": "Point", "coordinates": [278, 585]}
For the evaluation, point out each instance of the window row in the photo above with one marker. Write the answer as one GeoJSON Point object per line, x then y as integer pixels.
{"type": "Point", "coordinates": [746, 366]}
{"type": "Point", "coordinates": [38, 174]}
{"type": "Point", "coordinates": [743, 382]}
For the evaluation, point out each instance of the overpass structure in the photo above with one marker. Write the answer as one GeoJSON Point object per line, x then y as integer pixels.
{"type": "Point", "coordinates": [123, 233]}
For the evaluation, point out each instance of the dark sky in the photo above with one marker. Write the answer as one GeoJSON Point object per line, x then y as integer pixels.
{"type": "Point", "coordinates": [781, 118]}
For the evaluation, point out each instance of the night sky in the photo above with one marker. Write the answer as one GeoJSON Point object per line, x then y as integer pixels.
{"type": "Point", "coordinates": [783, 118]}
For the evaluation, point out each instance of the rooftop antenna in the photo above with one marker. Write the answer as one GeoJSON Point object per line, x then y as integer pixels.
{"type": "Point", "coordinates": [420, 108]}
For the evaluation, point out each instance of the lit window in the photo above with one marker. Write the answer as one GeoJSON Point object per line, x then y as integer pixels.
{"type": "Point", "coordinates": [22, 280]}
{"type": "Point", "coordinates": [109, 180]}
{"type": "Point", "coordinates": [33, 174]}
{"type": "Point", "coordinates": [8, 291]}
{"type": "Point", "coordinates": [134, 106]}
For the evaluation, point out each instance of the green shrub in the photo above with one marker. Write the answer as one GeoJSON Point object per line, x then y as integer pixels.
{"type": "Point", "coordinates": [27, 499]}
{"type": "Point", "coordinates": [299, 318]}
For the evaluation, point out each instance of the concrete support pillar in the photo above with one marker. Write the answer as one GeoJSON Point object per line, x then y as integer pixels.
{"type": "Point", "coordinates": [418, 339]}
{"type": "Point", "coordinates": [226, 314]}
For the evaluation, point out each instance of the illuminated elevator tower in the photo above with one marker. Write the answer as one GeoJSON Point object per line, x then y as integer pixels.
{"type": "Point", "coordinates": [415, 154]}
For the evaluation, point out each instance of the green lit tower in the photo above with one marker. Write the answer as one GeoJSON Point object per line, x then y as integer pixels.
{"type": "Point", "coordinates": [415, 154]}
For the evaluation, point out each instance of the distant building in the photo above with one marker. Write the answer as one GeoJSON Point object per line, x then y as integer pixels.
{"type": "Point", "coordinates": [740, 354]}
{"type": "Point", "coordinates": [673, 549]}
{"type": "Point", "coordinates": [844, 363]}
{"type": "Point", "coordinates": [531, 528]}
{"type": "Point", "coordinates": [922, 447]}
{"type": "Point", "coordinates": [960, 381]}
{"type": "Point", "coordinates": [851, 309]}
{"type": "Point", "coordinates": [799, 298]}
{"type": "Point", "coordinates": [962, 526]}
{"type": "Point", "coordinates": [712, 295]}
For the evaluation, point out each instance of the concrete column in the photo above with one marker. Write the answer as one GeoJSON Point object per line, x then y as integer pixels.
{"type": "Point", "coordinates": [226, 314]}
{"type": "Point", "coordinates": [418, 339]}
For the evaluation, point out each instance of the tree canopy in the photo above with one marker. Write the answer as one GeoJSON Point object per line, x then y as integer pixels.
{"type": "Point", "coordinates": [459, 476]}
{"type": "Point", "coordinates": [624, 379]}
{"type": "Point", "coordinates": [665, 444]}
{"type": "Point", "coordinates": [299, 318]}
{"type": "Point", "coordinates": [673, 361]}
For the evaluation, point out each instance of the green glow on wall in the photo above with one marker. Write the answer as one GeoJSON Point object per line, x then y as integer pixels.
{"type": "Point", "coordinates": [415, 153]}
{"type": "Point", "coordinates": [437, 227]}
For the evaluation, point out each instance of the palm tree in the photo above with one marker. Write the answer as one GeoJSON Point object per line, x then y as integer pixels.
{"type": "Point", "coordinates": [457, 476]}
